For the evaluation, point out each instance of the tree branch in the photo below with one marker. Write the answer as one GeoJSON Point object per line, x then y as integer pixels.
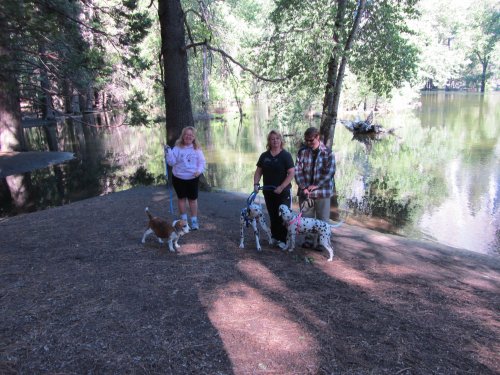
{"type": "Point", "coordinates": [226, 55]}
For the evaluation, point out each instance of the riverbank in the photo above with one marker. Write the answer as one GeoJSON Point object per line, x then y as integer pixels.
{"type": "Point", "coordinates": [81, 294]}
{"type": "Point", "coordinates": [12, 163]}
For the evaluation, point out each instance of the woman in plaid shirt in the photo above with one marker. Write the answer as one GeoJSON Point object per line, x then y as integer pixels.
{"type": "Point", "coordinates": [314, 172]}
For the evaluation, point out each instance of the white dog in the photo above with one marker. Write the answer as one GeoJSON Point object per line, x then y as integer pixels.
{"type": "Point", "coordinates": [251, 215]}
{"type": "Point", "coordinates": [298, 224]}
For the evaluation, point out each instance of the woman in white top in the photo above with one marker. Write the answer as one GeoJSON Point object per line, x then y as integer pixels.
{"type": "Point", "coordinates": [188, 163]}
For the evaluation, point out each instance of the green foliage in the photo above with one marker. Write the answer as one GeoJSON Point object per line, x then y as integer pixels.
{"type": "Point", "coordinates": [481, 35]}
{"type": "Point", "coordinates": [305, 38]}
{"type": "Point", "coordinates": [114, 46]}
{"type": "Point", "coordinates": [136, 108]}
{"type": "Point", "coordinates": [455, 40]}
{"type": "Point", "coordinates": [74, 45]}
{"type": "Point", "coordinates": [384, 55]}
{"type": "Point", "coordinates": [142, 177]}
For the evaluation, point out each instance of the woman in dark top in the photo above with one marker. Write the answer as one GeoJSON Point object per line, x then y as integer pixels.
{"type": "Point", "coordinates": [277, 167]}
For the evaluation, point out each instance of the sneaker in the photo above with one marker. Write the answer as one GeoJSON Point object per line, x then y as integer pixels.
{"type": "Point", "coordinates": [194, 224]}
{"type": "Point", "coordinates": [277, 243]}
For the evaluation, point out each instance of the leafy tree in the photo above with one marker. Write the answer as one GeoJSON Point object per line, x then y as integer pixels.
{"type": "Point", "coordinates": [481, 36]}
{"type": "Point", "coordinates": [59, 53]}
{"type": "Point", "coordinates": [437, 31]}
{"type": "Point", "coordinates": [313, 42]}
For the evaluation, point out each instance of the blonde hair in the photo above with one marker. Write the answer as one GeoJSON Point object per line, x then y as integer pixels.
{"type": "Point", "coordinates": [180, 141]}
{"type": "Point", "coordinates": [274, 132]}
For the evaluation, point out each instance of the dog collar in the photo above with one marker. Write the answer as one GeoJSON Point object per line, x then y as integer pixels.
{"type": "Point", "coordinates": [296, 219]}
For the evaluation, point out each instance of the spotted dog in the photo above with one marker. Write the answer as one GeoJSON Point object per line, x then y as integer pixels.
{"type": "Point", "coordinates": [298, 224]}
{"type": "Point", "coordinates": [251, 215]}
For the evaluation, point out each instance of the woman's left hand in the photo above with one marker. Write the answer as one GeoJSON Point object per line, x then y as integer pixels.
{"type": "Point", "coordinates": [278, 190]}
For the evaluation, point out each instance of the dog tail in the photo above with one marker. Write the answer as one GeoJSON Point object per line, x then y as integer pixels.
{"type": "Point", "coordinates": [337, 225]}
{"type": "Point", "coordinates": [147, 213]}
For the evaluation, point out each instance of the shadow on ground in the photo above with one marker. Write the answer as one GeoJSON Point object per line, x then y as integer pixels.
{"type": "Point", "coordinates": [80, 294]}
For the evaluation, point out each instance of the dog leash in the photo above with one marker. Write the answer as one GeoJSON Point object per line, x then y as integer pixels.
{"type": "Point", "coordinates": [308, 201]}
{"type": "Point", "coordinates": [165, 151]}
{"type": "Point", "coordinates": [253, 194]}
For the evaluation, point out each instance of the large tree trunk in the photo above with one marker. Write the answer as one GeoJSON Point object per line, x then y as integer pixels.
{"type": "Point", "coordinates": [178, 108]}
{"type": "Point", "coordinates": [11, 131]}
{"type": "Point", "coordinates": [336, 70]}
{"type": "Point", "coordinates": [328, 116]}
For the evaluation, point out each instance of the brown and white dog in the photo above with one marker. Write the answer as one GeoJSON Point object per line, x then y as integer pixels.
{"type": "Point", "coordinates": [295, 223]}
{"type": "Point", "coordinates": [251, 215]}
{"type": "Point", "coordinates": [164, 230]}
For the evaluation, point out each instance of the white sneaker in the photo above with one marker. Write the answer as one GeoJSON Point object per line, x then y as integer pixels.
{"type": "Point", "coordinates": [277, 243]}
{"type": "Point", "coordinates": [194, 224]}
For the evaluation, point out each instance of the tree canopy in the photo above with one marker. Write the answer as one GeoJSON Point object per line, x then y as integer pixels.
{"type": "Point", "coordinates": [69, 57]}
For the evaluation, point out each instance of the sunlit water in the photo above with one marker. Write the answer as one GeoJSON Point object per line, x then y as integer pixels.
{"type": "Point", "coordinates": [436, 177]}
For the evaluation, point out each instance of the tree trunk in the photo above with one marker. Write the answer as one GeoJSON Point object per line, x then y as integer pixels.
{"type": "Point", "coordinates": [178, 108]}
{"type": "Point", "coordinates": [11, 131]}
{"type": "Point", "coordinates": [336, 70]}
{"type": "Point", "coordinates": [89, 99]}
{"type": "Point", "coordinates": [66, 93]}
{"type": "Point", "coordinates": [206, 96]}
{"type": "Point", "coordinates": [46, 101]}
{"type": "Point", "coordinates": [484, 64]}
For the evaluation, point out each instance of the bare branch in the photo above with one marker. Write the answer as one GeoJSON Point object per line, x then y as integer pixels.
{"type": "Point", "coordinates": [226, 55]}
{"type": "Point", "coordinates": [195, 12]}
{"type": "Point", "coordinates": [188, 29]}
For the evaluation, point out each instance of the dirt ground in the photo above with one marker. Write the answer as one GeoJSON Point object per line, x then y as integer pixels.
{"type": "Point", "coordinates": [80, 295]}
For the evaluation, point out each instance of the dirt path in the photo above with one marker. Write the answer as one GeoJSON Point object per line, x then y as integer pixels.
{"type": "Point", "coordinates": [80, 295]}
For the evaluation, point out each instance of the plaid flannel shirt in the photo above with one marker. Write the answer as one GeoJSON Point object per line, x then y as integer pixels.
{"type": "Point", "coordinates": [324, 170]}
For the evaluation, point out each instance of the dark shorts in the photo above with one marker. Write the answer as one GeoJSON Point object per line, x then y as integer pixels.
{"type": "Point", "coordinates": [186, 188]}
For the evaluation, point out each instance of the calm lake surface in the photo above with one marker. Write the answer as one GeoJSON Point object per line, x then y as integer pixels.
{"type": "Point", "coordinates": [437, 177]}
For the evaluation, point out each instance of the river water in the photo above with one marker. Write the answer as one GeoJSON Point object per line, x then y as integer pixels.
{"type": "Point", "coordinates": [435, 177]}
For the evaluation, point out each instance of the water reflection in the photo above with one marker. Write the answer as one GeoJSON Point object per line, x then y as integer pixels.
{"type": "Point", "coordinates": [436, 177]}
